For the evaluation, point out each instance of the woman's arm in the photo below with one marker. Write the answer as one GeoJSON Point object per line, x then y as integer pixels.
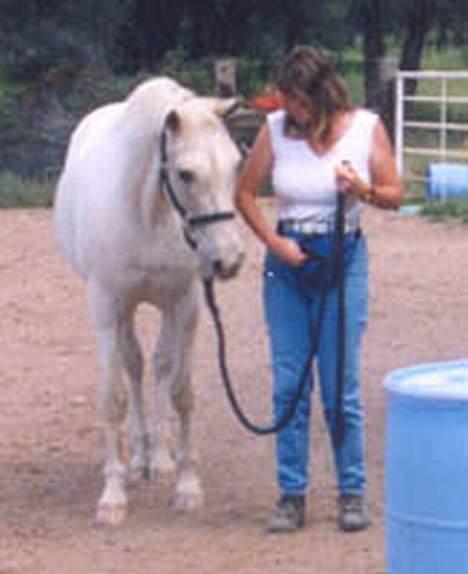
{"type": "Point", "coordinates": [253, 175]}
{"type": "Point", "coordinates": [385, 189]}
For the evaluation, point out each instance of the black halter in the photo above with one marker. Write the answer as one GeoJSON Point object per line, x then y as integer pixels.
{"type": "Point", "coordinates": [189, 221]}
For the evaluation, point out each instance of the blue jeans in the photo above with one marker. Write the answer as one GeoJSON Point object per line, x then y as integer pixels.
{"type": "Point", "coordinates": [290, 309]}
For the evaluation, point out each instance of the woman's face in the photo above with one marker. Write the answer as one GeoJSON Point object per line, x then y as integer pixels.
{"type": "Point", "coordinates": [299, 109]}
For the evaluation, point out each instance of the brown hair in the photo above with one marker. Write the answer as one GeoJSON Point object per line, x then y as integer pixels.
{"type": "Point", "coordinates": [307, 71]}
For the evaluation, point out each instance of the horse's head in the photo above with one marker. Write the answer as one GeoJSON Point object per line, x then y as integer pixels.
{"type": "Point", "coordinates": [199, 165]}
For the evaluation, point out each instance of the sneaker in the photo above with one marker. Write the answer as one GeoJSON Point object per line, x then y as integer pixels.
{"type": "Point", "coordinates": [288, 515]}
{"type": "Point", "coordinates": [352, 514]}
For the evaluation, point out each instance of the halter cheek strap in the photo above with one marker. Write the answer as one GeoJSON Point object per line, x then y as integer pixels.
{"type": "Point", "coordinates": [190, 221]}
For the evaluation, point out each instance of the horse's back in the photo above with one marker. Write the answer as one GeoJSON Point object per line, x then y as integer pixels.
{"type": "Point", "coordinates": [83, 178]}
{"type": "Point", "coordinates": [107, 152]}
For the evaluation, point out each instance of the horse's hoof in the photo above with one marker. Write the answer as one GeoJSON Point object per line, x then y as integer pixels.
{"type": "Point", "coordinates": [184, 503]}
{"type": "Point", "coordinates": [112, 515]}
{"type": "Point", "coordinates": [138, 471]}
{"type": "Point", "coordinates": [188, 496]}
{"type": "Point", "coordinates": [162, 464]}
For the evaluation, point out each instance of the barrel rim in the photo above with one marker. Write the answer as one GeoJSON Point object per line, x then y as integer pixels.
{"type": "Point", "coordinates": [394, 380]}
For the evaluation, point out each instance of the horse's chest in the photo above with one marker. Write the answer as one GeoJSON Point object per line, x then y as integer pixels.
{"type": "Point", "coordinates": [148, 266]}
{"type": "Point", "coordinates": [158, 281]}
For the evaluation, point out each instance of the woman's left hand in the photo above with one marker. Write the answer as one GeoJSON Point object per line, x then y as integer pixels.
{"type": "Point", "coordinates": [349, 182]}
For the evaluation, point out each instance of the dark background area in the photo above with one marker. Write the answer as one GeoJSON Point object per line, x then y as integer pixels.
{"type": "Point", "coordinates": [60, 58]}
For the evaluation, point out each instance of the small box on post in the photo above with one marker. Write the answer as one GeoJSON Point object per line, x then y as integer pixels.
{"type": "Point", "coordinates": [225, 77]}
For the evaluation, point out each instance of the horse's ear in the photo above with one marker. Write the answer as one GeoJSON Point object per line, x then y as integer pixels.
{"type": "Point", "coordinates": [173, 121]}
{"type": "Point", "coordinates": [224, 107]}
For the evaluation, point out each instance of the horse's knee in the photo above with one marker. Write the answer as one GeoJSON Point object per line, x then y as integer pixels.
{"type": "Point", "coordinates": [162, 364]}
{"type": "Point", "coordinates": [132, 357]}
{"type": "Point", "coordinates": [182, 396]}
{"type": "Point", "coordinates": [113, 401]}
{"type": "Point", "coordinates": [133, 361]}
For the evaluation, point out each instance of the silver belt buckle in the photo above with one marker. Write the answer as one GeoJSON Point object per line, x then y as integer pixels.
{"type": "Point", "coordinates": [319, 226]}
{"type": "Point", "coordinates": [310, 226]}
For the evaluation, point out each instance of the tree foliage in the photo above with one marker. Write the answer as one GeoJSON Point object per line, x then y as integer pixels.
{"type": "Point", "coordinates": [409, 23]}
{"type": "Point", "coordinates": [42, 40]}
{"type": "Point", "coordinates": [59, 58]}
{"type": "Point", "coordinates": [134, 34]}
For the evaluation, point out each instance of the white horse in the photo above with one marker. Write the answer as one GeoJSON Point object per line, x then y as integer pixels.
{"type": "Point", "coordinates": [144, 205]}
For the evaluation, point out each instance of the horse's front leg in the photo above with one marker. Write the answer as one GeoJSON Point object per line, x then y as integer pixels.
{"type": "Point", "coordinates": [133, 363]}
{"type": "Point", "coordinates": [179, 324]}
{"type": "Point", "coordinates": [112, 505]}
{"type": "Point", "coordinates": [188, 491]}
{"type": "Point", "coordinates": [161, 457]}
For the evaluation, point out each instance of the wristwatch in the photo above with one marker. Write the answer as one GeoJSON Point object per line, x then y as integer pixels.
{"type": "Point", "coordinates": [369, 195]}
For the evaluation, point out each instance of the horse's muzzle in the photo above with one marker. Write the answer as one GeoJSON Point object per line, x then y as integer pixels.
{"type": "Point", "coordinates": [223, 269]}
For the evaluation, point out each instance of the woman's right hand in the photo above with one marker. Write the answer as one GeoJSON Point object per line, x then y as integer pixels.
{"type": "Point", "coordinates": [289, 251]}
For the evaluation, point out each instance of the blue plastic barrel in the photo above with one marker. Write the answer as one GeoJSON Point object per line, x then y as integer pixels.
{"type": "Point", "coordinates": [446, 181]}
{"type": "Point", "coordinates": [426, 486]}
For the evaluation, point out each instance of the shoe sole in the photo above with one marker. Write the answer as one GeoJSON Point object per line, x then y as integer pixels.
{"type": "Point", "coordinates": [355, 528]}
{"type": "Point", "coordinates": [283, 529]}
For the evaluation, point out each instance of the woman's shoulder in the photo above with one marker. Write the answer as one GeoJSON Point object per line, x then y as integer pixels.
{"type": "Point", "coordinates": [363, 121]}
{"type": "Point", "coordinates": [366, 117]}
{"type": "Point", "coordinates": [275, 122]}
{"type": "Point", "coordinates": [276, 118]}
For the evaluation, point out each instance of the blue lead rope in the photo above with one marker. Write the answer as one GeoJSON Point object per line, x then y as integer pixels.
{"type": "Point", "coordinates": [338, 428]}
{"type": "Point", "coordinates": [335, 264]}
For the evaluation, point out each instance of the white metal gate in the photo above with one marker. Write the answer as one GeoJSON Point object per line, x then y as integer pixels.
{"type": "Point", "coordinates": [431, 125]}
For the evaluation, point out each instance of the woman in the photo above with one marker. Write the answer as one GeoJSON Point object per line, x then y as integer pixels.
{"type": "Point", "coordinates": [318, 145]}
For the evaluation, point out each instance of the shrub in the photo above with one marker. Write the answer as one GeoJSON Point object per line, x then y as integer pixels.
{"type": "Point", "coordinates": [17, 191]}
{"type": "Point", "coordinates": [442, 210]}
{"type": "Point", "coordinates": [197, 76]}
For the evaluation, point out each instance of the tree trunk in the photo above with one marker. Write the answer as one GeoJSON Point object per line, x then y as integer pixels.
{"type": "Point", "coordinates": [420, 17]}
{"type": "Point", "coordinates": [296, 23]}
{"type": "Point", "coordinates": [157, 24]}
{"type": "Point", "coordinates": [374, 50]}
{"type": "Point", "coordinates": [378, 85]}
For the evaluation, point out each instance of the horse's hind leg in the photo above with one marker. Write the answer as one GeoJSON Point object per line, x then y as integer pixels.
{"type": "Point", "coordinates": [112, 505]}
{"type": "Point", "coordinates": [133, 363]}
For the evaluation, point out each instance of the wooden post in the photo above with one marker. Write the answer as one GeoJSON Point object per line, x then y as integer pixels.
{"type": "Point", "coordinates": [225, 77]}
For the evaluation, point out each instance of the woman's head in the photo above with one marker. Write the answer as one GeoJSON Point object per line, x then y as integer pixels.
{"type": "Point", "coordinates": [312, 90]}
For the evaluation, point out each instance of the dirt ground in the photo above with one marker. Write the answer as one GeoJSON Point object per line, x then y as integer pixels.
{"type": "Point", "coordinates": [51, 435]}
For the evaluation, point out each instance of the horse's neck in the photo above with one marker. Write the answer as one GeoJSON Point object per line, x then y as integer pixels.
{"type": "Point", "coordinates": [143, 193]}
{"type": "Point", "coordinates": [153, 205]}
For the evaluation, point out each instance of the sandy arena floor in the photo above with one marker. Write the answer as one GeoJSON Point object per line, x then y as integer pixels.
{"type": "Point", "coordinates": [51, 435]}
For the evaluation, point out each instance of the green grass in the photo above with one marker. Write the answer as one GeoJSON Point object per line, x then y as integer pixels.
{"type": "Point", "coordinates": [17, 191]}
{"type": "Point", "coordinates": [8, 86]}
{"type": "Point", "coordinates": [443, 210]}
{"type": "Point", "coordinates": [450, 58]}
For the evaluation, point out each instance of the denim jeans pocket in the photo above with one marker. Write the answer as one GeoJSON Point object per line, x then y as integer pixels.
{"type": "Point", "coordinates": [320, 270]}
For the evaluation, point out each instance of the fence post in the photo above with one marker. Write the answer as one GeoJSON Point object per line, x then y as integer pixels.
{"type": "Point", "coordinates": [443, 118]}
{"type": "Point", "coordinates": [399, 121]}
{"type": "Point", "coordinates": [225, 77]}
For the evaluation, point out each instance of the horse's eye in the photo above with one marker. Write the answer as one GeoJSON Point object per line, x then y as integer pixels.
{"type": "Point", "coordinates": [186, 176]}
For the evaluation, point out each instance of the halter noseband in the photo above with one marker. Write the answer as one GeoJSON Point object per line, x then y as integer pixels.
{"type": "Point", "coordinates": [189, 221]}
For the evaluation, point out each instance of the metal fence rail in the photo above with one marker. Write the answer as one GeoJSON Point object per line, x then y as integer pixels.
{"type": "Point", "coordinates": [442, 85]}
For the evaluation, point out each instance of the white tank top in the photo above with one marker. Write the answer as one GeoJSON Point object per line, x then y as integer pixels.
{"type": "Point", "coordinates": [304, 182]}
